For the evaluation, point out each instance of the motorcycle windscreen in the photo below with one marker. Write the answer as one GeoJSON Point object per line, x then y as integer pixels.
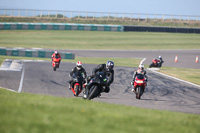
{"type": "Point", "coordinates": [140, 76]}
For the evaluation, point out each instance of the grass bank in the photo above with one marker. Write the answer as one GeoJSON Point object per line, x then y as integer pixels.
{"type": "Point", "coordinates": [97, 40]}
{"type": "Point", "coordinates": [22, 113]}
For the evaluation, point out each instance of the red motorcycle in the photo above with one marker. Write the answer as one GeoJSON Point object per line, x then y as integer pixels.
{"type": "Point", "coordinates": [55, 63]}
{"type": "Point", "coordinates": [139, 85]}
{"type": "Point", "coordinates": [156, 63]}
{"type": "Point", "coordinates": [77, 83]}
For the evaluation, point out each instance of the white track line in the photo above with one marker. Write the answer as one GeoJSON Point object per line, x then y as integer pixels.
{"type": "Point", "coordinates": [175, 78]}
{"type": "Point", "coordinates": [22, 79]}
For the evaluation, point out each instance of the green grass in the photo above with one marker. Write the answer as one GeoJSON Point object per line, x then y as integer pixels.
{"type": "Point", "coordinates": [29, 113]}
{"type": "Point", "coordinates": [191, 75]}
{"type": "Point", "coordinates": [22, 113]}
{"type": "Point", "coordinates": [97, 40]}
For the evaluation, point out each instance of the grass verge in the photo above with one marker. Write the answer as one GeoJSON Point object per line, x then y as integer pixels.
{"type": "Point", "coordinates": [97, 40]}
{"type": "Point", "coordinates": [191, 75]}
{"type": "Point", "coordinates": [22, 113]}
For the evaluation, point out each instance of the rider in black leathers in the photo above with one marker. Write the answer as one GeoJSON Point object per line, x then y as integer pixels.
{"type": "Point", "coordinates": [78, 68]}
{"type": "Point", "coordinates": [108, 68]}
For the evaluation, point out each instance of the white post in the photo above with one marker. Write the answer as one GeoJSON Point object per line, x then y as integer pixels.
{"type": "Point", "coordinates": [138, 17]}
{"type": "Point", "coordinates": [33, 13]}
{"type": "Point", "coordinates": [5, 12]}
{"type": "Point", "coordinates": [41, 13]}
{"type": "Point", "coordinates": [163, 18]}
{"type": "Point", "coordinates": [19, 13]}
{"type": "Point", "coordinates": [26, 13]}
{"type": "Point", "coordinates": [64, 14]}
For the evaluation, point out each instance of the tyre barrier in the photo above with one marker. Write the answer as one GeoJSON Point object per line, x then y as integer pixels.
{"type": "Point", "coordinates": [59, 26]}
{"type": "Point", "coordinates": [34, 53]}
{"type": "Point", "coordinates": [161, 29]}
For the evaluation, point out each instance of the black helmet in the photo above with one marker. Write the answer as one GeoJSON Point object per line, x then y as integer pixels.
{"type": "Point", "coordinates": [109, 65]}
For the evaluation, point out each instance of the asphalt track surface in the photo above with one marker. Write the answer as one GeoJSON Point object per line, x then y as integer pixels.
{"type": "Point", "coordinates": [186, 58]}
{"type": "Point", "coordinates": [162, 93]}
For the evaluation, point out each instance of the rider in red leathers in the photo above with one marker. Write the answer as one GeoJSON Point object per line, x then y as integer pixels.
{"type": "Point", "coordinates": [139, 71]}
{"type": "Point", "coordinates": [56, 55]}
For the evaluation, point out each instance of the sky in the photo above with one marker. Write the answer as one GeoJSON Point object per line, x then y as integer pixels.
{"type": "Point", "coordinates": [171, 7]}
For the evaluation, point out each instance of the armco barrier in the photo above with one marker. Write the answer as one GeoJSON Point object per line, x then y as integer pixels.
{"type": "Point", "coordinates": [34, 53]}
{"type": "Point", "coordinates": [59, 26]}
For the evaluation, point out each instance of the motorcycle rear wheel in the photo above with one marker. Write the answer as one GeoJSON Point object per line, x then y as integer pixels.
{"type": "Point", "coordinates": [151, 65]}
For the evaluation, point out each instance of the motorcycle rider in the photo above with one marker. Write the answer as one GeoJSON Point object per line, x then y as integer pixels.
{"type": "Point", "coordinates": [161, 61]}
{"type": "Point", "coordinates": [78, 68]}
{"type": "Point", "coordinates": [108, 68]}
{"type": "Point", "coordinates": [56, 54]}
{"type": "Point", "coordinates": [139, 71]}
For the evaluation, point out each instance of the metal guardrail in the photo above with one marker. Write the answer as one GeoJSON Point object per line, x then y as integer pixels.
{"type": "Point", "coordinates": [98, 15]}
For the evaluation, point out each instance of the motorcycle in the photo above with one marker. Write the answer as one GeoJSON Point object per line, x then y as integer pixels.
{"type": "Point", "coordinates": [96, 85]}
{"type": "Point", "coordinates": [139, 85]}
{"type": "Point", "coordinates": [55, 63]}
{"type": "Point", "coordinates": [156, 63]}
{"type": "Point", "coordinates": [78, 82]}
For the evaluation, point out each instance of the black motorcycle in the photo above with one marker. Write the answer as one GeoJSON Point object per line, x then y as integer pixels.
{"type": "Point", "coordinates": [77, 85]}
{"type": "Point", "coordinates": [96, 85]}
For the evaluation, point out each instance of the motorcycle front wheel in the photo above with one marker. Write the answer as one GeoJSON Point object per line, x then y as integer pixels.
{"type": "Point", "coordinates": [138, 92]}
{"type": "Point", "coordinates": [94, 91]}
{"type": "Point", "coordinates": [77, 88]}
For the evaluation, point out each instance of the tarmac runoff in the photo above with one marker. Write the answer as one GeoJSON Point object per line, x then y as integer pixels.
{"type": "Point", "coordinates": [18, 65]}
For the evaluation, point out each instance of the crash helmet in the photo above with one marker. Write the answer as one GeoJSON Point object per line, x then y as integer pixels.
{"type": "Point", "coordinates": [78, 65]}
{"type": "Point", "coordinates": [56, 52]}
{"type": "Point", "coordinates": [159, 56]}
{"type": "Point", "coordinates": [141, 67]}
{"type": "Point", "coordinates": [109, 65]}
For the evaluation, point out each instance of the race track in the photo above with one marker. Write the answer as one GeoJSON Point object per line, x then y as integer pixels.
{"type": "Point", "coordinates": [162, 93]}
{"type": "Point", "coordinates": [186, 58]}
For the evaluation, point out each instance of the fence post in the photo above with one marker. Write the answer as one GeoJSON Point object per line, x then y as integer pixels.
{"type": "Point", "coordinates": [41, 13]}
{"type": "Point", "coordinates": [5, 12]}
{"type": "Point", "coordinates": [163, 17]}
{"type": "Point", "coordinates": [11, 13]}
{"type": "Point", "coordinates": [131, 17]}
{"type": "Point", "coordinates": [71, 15]}
{"type": "Point", "coordinates": [33, 13]}
{"type": "Point", "coordinates": [138, 17]}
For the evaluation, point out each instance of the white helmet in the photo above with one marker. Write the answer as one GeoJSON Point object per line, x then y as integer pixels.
{"type": "Point", "coordinates": [159, 56]}
{"type": "Point", "coordinates": [56, 52]}
{"type": "Point", "coordinates": [79, 65]}
{"type": "Point", "coordinates": [141, 66]}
